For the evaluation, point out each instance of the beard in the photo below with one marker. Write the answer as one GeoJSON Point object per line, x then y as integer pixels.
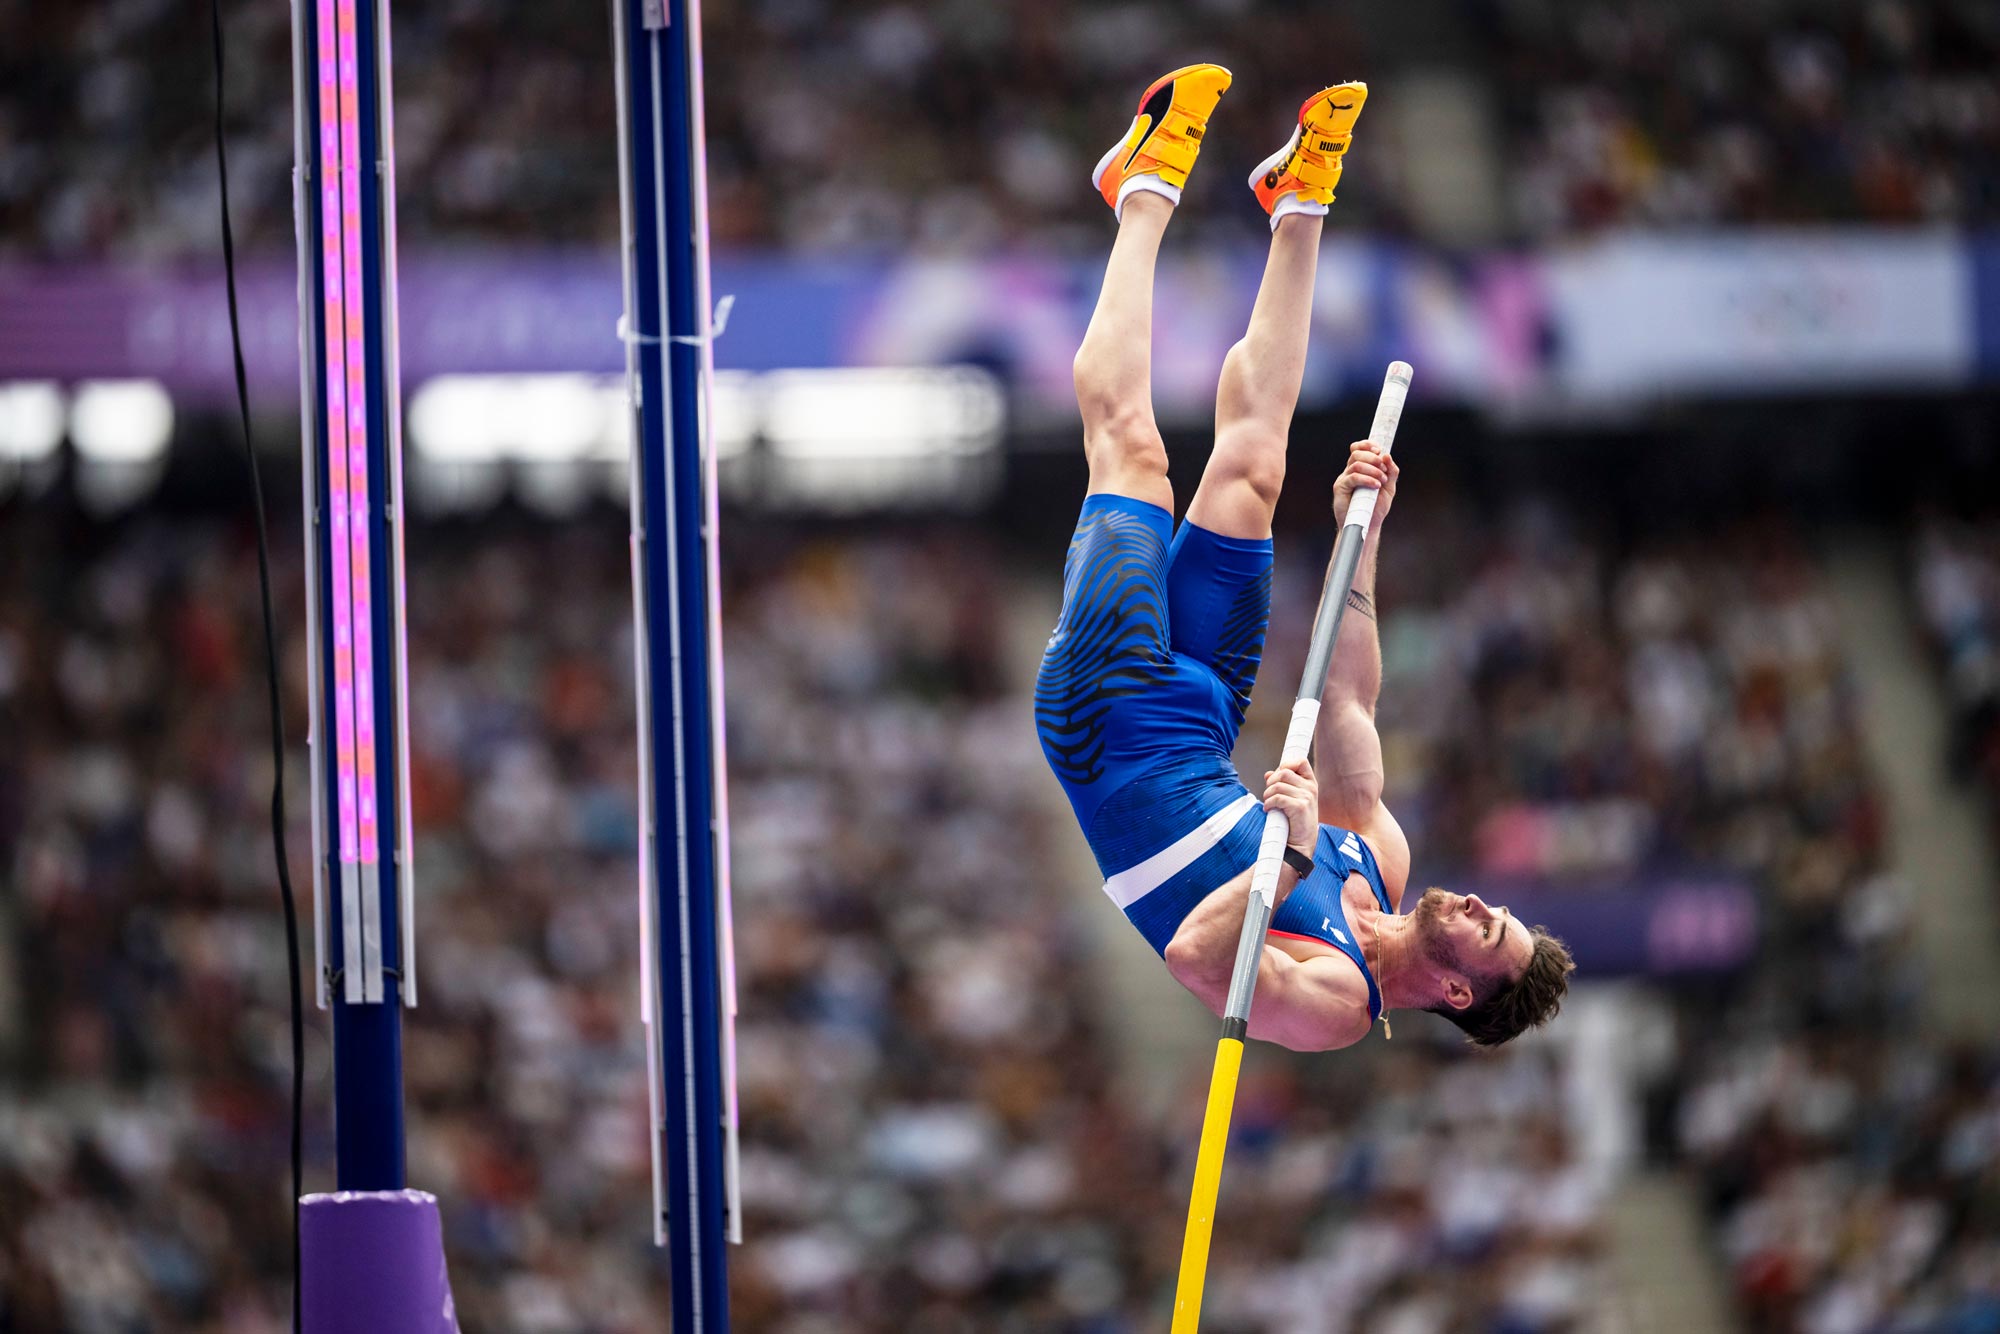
{"type": "Point", "coordinates": [1429, 918]}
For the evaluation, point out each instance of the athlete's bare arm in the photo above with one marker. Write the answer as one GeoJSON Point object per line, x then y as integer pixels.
{"type": "Point", "coordinates": [1349, 748]}
{"type": "Point", "coordinates": [1316, 1003]}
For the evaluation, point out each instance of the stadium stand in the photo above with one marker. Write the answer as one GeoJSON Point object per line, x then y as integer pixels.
{"type": "Point", "coordinates": [1793, 113]}
{"type": "Point", "coordinates": [932, 1137]}
{"type": "Point", "coordinates": [1957, 588]}
{"type": "Point", "coordinates": [1688, 116]}
{"type": "Point", "coordinates": [931, 1124]}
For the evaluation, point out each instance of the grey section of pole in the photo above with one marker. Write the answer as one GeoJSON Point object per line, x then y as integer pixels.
{"type": "Point", "coordinates": [1319, 656]}
{"type": "Point", "coordinates": [1325, 634]}
{"type": "Point", "coordinates": [1340, 572]}
{"type": "Point", "coordinates": [1249, 956]}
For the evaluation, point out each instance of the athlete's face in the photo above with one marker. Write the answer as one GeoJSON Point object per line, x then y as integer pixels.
{"type": "Point", "coordinates": [1463, 934]}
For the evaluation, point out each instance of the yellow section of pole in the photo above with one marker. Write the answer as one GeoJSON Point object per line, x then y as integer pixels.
{"type": "Point", "coordinates": [1207, 1183]}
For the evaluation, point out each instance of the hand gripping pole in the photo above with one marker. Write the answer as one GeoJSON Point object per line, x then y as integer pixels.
{"type": "Point", "coordinates": [1270, 857]}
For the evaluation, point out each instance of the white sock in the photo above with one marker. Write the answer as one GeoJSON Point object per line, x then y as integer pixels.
{"type": "Point", "coordinates": [1296, 203]}
{"type": "Point", "coordinates": [1152, 184]}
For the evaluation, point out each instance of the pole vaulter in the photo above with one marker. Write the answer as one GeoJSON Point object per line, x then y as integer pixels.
{"type": "Point", "coordinates": [1142, 690]}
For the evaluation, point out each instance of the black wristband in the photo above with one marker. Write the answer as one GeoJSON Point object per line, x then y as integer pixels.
{"type": "Point", "coordinates": [1298, 861]}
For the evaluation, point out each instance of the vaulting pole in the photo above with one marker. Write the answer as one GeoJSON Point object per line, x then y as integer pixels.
{"type": "Point", "coordinates": [1270, 857]}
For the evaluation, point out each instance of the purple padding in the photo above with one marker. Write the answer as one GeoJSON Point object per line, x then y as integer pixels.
{"type": "Point", "coordinates": [373, 1263]}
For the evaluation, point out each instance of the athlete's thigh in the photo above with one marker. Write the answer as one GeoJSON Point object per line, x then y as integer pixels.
{"type": "Point", "coordinates": [1218, 605]}
{"type": "Point", "coordinates": [1111, 642]}
{"type": "Point", "coordinates": [1123, 480]}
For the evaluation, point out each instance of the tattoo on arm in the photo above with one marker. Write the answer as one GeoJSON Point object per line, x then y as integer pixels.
{"type": "Point", "coordinates": [1361, 602]}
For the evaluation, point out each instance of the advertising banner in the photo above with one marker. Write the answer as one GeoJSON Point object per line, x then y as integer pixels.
{"type": "Point", "coordinates": [1759, 313]}
{"type": "Point", "coordinates": [1625, 319]}
{"type": "Point", "coordinates": [1020, 317]}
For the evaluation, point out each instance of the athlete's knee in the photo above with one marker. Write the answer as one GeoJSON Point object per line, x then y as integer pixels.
{"type": "Point", "coordinates": [1124, 440]}
{"type": "Point", "coordinates": [1244, 398]}
{"type": "Point", "coordinates": [1252, 453]}
{"type": "Point", "coordinates": [1120, 437]}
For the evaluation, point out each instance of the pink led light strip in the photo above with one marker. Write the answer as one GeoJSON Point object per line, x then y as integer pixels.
{"type": "Point", "coordinates": [336, 433]}
{"type": "Point", "coordinates": [346, 431]}
{"type": "Point", "coordinates": [357, 434]}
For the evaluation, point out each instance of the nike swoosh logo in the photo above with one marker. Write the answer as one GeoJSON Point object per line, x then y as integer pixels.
{"type": "Point", "coordinates": [1152, 114]}
{"type": "Point", "coordinates": [1138, 141]}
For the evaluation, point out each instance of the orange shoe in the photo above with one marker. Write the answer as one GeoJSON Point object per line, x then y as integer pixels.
{"type": "Point", "coordinates": [1309, 165]}
{"type": "Point", "coordinates": [1166, 135]}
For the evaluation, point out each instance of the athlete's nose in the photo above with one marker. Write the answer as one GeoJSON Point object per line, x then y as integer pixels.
{"type": "Point", "coordinates": [1474, 907]}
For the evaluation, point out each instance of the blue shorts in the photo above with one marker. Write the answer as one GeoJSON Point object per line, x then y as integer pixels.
{"type": "Point", "coordinates": [1144, 684]}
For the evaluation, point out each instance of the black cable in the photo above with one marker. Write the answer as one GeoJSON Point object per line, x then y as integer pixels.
{"type": "Point", "coordinates": [273, 679]}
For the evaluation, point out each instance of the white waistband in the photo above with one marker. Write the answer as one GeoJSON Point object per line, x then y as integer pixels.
{"type": "Point", "coordinates": [1134, 883]}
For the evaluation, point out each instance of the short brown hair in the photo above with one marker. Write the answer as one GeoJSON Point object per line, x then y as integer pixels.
{"type": "Point", "coordinates": [1511, 1008]}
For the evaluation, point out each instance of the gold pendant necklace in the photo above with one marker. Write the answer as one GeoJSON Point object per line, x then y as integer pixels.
{"type": "Point", "coordinates": [1387, 1032]}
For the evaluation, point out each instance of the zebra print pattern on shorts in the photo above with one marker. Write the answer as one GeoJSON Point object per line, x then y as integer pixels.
{"type": "Point", "coordinates": [1239, 644]}
{"type": "Point", "coordinates": [1110, 642]}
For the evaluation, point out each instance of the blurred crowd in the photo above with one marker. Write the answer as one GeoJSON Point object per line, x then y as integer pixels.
{"type": "Point", "coordinates": [1958, 593]}
{"type": "Point", "coordinates": [505, 132]}
{"type": "Point", "coordinates": [1665, 115]}
{"type": "Point", "coordinates": [958, 127]}
{"type": "Point", "coordinates": [1406, 1188]}
{"type": "Point", "coordinates": [1589, 707]}
{"type": "Point", "coordinates": [936, 1135]}
{"type": "Point", "coordinates": [1855, 1177]}
{"type": "Point", "coordinates": [1564, 704]}
{"type": "Point", "coordinates": [935, 1138]}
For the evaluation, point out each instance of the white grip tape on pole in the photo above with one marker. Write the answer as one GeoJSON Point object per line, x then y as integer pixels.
{"type": "Point", "coordinates": [1270, 858]}
{"type": "Point", "coordinates": [1271, 852]}
{"type": "Point", "coordinates": [1299, 736]}
{"type": "Point", "coordinates": [1361, 509]}
{"type": "Point", "coordinates": [1382, 435]}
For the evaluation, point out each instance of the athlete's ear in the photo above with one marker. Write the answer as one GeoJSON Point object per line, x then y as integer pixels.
{"type": "Point", "coordinates": [1456, 993]}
